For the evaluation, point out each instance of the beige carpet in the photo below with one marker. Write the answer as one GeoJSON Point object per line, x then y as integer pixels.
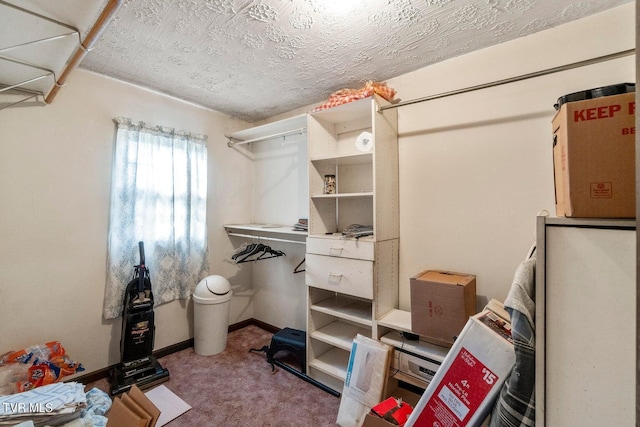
{"type": "Point", "coordinates": [238, 388]}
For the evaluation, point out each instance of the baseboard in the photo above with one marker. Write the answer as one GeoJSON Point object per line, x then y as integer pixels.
{"type": "Point", "coordinates": [104, 373]}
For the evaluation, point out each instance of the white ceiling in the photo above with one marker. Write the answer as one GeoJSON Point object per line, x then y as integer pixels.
{"type": "Point", "coordinates": [255, 59]}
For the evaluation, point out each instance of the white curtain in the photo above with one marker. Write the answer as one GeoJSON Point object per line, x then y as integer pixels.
{"type": "Point", "coordinates": [159, 197]}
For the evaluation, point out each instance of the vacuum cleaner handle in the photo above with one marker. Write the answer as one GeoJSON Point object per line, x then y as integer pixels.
{"type": "Point", "coordinates": [141, 269]}
{"type": "Point", "coordinates": [141, 247]}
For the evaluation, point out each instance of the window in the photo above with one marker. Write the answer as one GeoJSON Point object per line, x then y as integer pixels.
{"type": "Point", "coordinates": [159, 197]}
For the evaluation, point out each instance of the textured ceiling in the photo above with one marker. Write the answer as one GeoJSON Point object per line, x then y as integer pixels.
{"type": "Point", "coordinates": [255, 59]}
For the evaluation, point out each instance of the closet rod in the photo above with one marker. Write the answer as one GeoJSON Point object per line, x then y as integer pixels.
{"type": "Point", "coordinates": [264, 138]}
{"type": "Point", "coordinates": [513, 79]}
{"type": "Point", "coordinates": [274, 239]}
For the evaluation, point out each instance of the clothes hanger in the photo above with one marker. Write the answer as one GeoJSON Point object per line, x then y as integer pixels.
{"type": "Point", "coordinates": [259, 247]}
{"type": "Point", "coordinates": [245, 248]}
{"type": "Point", "coordinates": [262, 250]}
{"type": "Point", "coordinates": [295, 270]}
{"type": "Point", "coordinates": [274, 253]}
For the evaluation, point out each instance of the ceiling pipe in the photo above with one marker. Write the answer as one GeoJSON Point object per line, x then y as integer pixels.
{"type": "Point", "coordinates": [85, 46]}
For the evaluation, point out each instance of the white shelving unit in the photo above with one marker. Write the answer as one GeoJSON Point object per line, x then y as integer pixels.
{"type": "Point", "coordinates": [352, 283]}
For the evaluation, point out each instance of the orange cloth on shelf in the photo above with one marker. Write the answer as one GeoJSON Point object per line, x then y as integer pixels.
{"type": "Point", "coordinates": [344, 96]}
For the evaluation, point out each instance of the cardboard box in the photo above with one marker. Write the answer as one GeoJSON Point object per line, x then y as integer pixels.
{"type": "Point", "coordinates": [441, 304]}
{"type": "Point", "coordinates": [411, 398]}
{"type": "Point", "coordinates": [594, 157]}
{"type": "Point", "coordinates": [133, 409]}
{"type": "Point", "coordinates": [466, 386]}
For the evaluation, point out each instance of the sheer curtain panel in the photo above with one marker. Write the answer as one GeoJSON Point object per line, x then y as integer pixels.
{"type": "Point", "coordinates": [159, 197]}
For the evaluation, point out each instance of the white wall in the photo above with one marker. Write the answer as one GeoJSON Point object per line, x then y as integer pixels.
{"type": "Point", "coordinates": [280, 196]}
{"type": "Point", "coordinates": [55, 171]}
{"type": "Point", "coordinates": [475, 169]}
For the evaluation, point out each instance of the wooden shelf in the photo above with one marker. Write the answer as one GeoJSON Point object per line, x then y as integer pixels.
{"type": "Point", "coordinates": [346, 112]}
{"type": "Point", "coordinates": [339, 334]}
{"type": "Point", "coordinates": [346, 308]}
{"type": "Point", "coordinates": [267, 231]}
{"type": "Point", "coordinates": [399, 320]}
{"type": "Point", "coordinates": [334, 362]}
{"type": "Point", "coordinates": [353, 159]}
{"type": "Point", "coordinates": [363, 195]}
{"type": "Point", "coordinates": [265, 132]}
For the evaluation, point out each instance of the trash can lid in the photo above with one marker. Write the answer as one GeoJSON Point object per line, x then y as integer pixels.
{"type": "Point", "coordinates": [212, 288]}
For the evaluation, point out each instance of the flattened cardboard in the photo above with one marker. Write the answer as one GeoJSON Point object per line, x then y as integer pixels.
{"type": "Point", "coordinates": [135, 407]}
{"type": "Point", "coordinates": [121, 415]}
{"type": "Point", "coordinates": [594, 157]}
{"type": "Point", "coordinates": [441, 304]}
{"type": "Point", "coordinates": [141, 399]}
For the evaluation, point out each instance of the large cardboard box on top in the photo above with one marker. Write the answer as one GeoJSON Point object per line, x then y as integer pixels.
{"type": "Point", "coordinates": [594, 157]}
{"type": "Point", "coordinates": [466, 386]}
{"type": "Point", "coordinates": [441, 304]}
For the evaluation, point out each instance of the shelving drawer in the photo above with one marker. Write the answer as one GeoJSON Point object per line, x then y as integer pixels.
{"type": "Point", "coordinates": [344, 275]}
{"type": "Point", "coordinates": [343, 248]}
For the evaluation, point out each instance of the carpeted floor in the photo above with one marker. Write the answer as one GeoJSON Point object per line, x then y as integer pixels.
{"type": "Point", "coordinates": [236, 388]}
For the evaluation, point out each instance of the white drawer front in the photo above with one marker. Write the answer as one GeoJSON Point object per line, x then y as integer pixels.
{"type": "Point", "coordinates": [344, 248]}
{"type": "Point", "coordinates": [344, 275]}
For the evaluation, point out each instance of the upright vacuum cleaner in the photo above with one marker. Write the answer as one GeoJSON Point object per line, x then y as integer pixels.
{"type": "Point", "coordinates": [137, 364]}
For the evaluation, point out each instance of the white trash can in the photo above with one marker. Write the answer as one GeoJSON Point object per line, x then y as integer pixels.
{"type": "Point", "coordinates": [211, 301]}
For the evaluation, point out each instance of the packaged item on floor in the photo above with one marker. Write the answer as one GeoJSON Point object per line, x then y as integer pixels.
{"type": "Point", "coordinates": [366, 380]}
{"type": "Point", "coordinates": [594, 153]}
{"type": "Point", "coordinates": [43, 363]}
{"type": "Point", "coordinates": [465, 387]}
{"type": "Point", "coordinates": [392, 410]}
{"type": "Point", "coordinates": [400, 397]}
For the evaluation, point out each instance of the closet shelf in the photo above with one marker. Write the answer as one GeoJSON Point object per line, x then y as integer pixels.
{"type": "Point", "coordinates": [345, 307]}
{"type": "Point", "coordinates": [363, 195]}
{"type": "Point", "coordinates": [353, 159]}
{"type": "Point", "coordinates": [399, 320]}
{"type": "Point", "coordinates": [333, 362]}
{"type": "Point", "coordinates": [281, 129]}
{"type": "Point", "coordinates": [339, 334]}
{"type": "Point", "coordinates": [274, 232]}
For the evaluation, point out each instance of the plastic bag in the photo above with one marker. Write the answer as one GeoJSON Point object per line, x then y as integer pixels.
{"type": "Point", "coordinates": [11, 376]}
{"type": "Point", "coordinates": [344, 96]}
{"type": "Point", "coordinates": [38, 365]}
